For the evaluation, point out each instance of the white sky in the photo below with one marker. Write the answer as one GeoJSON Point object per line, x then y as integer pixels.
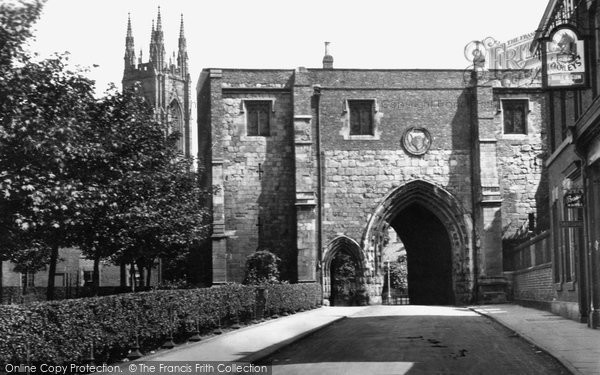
{"type": "Point", "coordinates": [397, 34]}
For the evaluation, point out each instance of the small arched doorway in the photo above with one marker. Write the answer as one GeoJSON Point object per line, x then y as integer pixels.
{"type": "Point", "coordinates": [343, 270]}
{"type": "Point", "coordinates": [344, 283]}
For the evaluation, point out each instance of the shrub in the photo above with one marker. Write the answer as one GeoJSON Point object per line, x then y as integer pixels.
{"type": "Point", "coordinates": [292, 297]}
{"type": "Point", "coordinates": [262, 267]}
{"type": "Point", "coordinates": [63, 331]}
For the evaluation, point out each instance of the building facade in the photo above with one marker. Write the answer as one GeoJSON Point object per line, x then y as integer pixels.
{"type": "Point", "coordinates": [311, 163]}
{"type": "Point", "coordinates": [568, 39]}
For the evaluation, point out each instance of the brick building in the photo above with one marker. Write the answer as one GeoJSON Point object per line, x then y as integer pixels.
{"type": "Point", "coordinates": [568, 39]}
{"type": "Point", "coordinates": [312, 163]}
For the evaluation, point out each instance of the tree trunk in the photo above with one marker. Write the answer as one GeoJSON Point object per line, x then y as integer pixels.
{"type": "Point", "coordinates": [140, 266]}
{"type": "Point", "coordinates": [123, 267]}
{"type": "Point", "coordinates": [132, 275]}
{"type": "Point", "coordinates": [96, 277]}
{"type": "Point", "coordinates": [52, 273]}
{"type": "Point", "coordinates": [1, 284]}
{"type": "Point", "coordinates": [149, 274]}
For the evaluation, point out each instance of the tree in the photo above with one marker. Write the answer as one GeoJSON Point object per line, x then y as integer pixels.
{"type": "Point", "coordinates": [99, 174]}
{"type": "Point", "coordinates": [147, 200]}
{"type": "Point", "coordinates": [43, 117]}
{"type": "Point", "coordinates": [399, 274]}
{"type": "Point", "coordinates": [262, 267]}
{"type": "Point", "coordinates": [170, 219]}
{"type": "Point", "coordinates": [16, 20]}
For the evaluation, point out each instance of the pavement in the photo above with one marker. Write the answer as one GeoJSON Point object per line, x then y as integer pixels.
{"type": "Point", "coordinates": [253, 342]}
{"type": "Point", "coordinates": [573, 344]}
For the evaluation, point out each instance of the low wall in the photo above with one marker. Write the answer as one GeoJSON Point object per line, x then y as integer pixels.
{"type": "Point", "coordinates": [531, 272]}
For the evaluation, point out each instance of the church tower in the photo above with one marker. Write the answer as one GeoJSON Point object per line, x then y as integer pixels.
{"type": "Point", "coordinates": [165, 84]}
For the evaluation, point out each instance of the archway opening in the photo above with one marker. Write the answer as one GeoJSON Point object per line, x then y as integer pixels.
{"type": "Point", "coordinates": [344, 280]}
{"type": "Point", "coordinates": [395, 281]}
{"type": "Point", "coordinates": [438, 234]}
{"type": "Point", "coordinates": [428, 254]}
{"type": "Point", "coordinates": [343, 273]}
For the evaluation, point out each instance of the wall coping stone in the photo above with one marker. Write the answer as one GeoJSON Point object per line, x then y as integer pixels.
{"type": "Point", "coordinates": [532, 268]}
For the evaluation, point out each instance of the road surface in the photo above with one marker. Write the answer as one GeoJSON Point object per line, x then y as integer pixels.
{"type": "Point", "coordinates": [414, 340]}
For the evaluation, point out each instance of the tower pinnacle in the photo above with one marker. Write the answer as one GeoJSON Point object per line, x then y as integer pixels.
{"type": "Point", "coordinates": [158, 21]}
{"type": "Point", "coordinates": [181, 27]}
{"type": "Point", "coordinates": [157, 47]}
{"type": "Point", "coordinates": [129, 46]}
{"type": "Point", "coordinates": [182, 57]}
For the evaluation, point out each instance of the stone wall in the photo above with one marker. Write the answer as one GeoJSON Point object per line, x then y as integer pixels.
{"type": "Point", "coordinates": [359, 173]}
{"type": "Point", "coordinates": [523, 177]}
{"type": "Point", "coordinates": [276, 178]}
{"type": "Point", "coordinates": [257, 172]}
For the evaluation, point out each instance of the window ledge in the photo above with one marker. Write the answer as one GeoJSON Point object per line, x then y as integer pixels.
{"type": "Point", "coordinates": [361, 137]}
{"type": "Point", "coordinates": [514, 136]}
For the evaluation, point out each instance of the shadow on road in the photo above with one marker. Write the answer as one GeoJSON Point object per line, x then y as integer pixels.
{"type": "Point", "coordinates": [413, 340]}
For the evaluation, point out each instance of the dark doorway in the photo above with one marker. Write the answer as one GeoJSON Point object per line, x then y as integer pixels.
{"type": "Point", "coordinates": [344, 285]}
{"type": "Point", "coordinates": [429, 256]}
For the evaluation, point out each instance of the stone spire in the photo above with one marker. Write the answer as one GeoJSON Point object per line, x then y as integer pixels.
{"type": "Point", "coordinates": [182, 56]}
{"type": "Point", "coordinates": [327, 59]}
{"type": "Point", "coordinates": [157, 45]}
{"type": "Point", "coordinates": [158, 21]}
{"type": "Point", "coordinates": [129, 46]}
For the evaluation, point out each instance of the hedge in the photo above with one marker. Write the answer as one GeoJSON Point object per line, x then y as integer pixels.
{"type": "Point", "coordinates": [64, 331]}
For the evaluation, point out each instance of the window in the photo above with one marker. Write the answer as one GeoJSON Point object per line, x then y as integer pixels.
{"type": "Point", "coordinates": [556, 242]}
{"type": "Point", "coordinates": [515, 116]}
{"type": "Point", "coordinates": [361, 117]}
{"type": "Point", "coordinates": [27, 280]}
{"type": "Point", "coordinates": [552, 123]}
{"type": "Point", "coordinates": [258, 118]}
{"type": "Point", "coordinates": [88, 278]}
{"type": "Point", "coordinates": [176, 123]}
{"type": "Point", "coordinates": [573, 241]}
{"type": "Point", "coordinates": [563, 115]}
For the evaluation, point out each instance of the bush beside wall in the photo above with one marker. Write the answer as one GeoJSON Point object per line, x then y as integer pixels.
{"type": "Point", "coordinates": [60, 332]}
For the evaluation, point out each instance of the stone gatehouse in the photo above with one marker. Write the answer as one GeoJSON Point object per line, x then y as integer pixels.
{"type": "Point", "coordinates": [311, 163]}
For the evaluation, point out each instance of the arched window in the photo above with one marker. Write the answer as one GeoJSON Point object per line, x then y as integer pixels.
{"type": "Point", "coordinates": [176, 123]}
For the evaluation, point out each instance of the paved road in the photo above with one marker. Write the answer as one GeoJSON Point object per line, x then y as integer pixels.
{"type": "Point", "coordinates": [414, 340]}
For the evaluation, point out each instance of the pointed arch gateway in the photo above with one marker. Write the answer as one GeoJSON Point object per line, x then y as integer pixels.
{"type": "Point", "coordinates": [338, 246]}
{"type": "Point", "coordinates": [420, 210]}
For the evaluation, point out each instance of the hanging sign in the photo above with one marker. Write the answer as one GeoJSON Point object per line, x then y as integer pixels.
{"type": "Point", "coordinates": [574, 198]}
{"type": "Point", "coordinates": [565, 59]}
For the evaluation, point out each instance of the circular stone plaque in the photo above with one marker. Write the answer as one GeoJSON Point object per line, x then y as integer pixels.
{"type": "Point", "coordinates": [416, 141]}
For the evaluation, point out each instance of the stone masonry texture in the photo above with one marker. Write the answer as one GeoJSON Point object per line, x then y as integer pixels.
{"type": "Point", "coordinates": [275, 187]}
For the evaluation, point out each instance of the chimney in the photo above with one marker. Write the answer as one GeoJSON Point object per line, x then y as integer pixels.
{"type": "Point", "coordinates": [327, 59]}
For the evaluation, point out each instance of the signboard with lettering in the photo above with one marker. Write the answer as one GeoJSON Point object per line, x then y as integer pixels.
{"type": "Point", "coordinates": [509, 64]}
{"type": "Point", "coordinates": [565, 59]}
{"type": "Point", "coordinates": [574, 198]}
{"type": "Point", "coordinates": [514, 54]}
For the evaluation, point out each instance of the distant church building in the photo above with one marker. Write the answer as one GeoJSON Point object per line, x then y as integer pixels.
{"type": "Point", "coordinates": [164, 82]}
{"type": "Point", "coordinates": [314, 163]}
